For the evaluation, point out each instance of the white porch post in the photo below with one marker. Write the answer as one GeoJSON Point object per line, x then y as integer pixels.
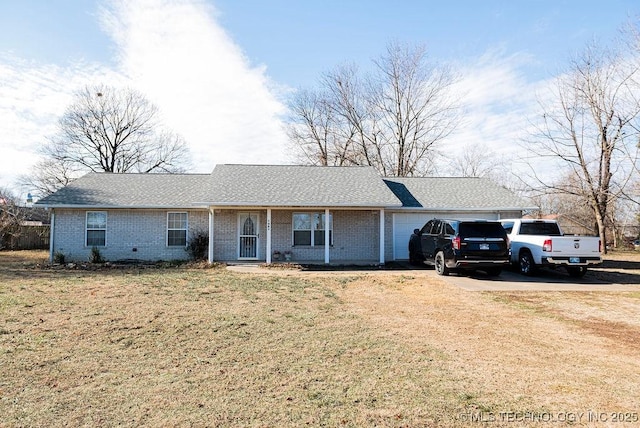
{"type": "Point", "coordinates": [327, 223]}
{"type": "Point", "coordinates": [268, 260]}
{"type": "Point", "coordinates": [382, 236]}
{"type": "Point", "coordinates": [210, 256]}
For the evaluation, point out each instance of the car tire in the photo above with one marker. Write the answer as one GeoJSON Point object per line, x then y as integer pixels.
{"type": "Point", "coordinates": [495, 271]}
{"type": "Point", "coordinates": [527, 265]}
{"type": "Point", "coordinates": [576, 271]}
{"type": "Point", "coordinates": [415, 259]}
{"type": "Point", "coordinates": [440, 265]}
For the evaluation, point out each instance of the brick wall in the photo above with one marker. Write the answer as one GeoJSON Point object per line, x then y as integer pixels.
{"type": "Point", "coordinates": [355, 236]}
{"type": "Point", "coordinates": [142, 230]}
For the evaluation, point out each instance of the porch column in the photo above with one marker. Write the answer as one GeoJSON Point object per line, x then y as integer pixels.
{"type": "Point", "coordinates": [210, 255]}
{"type": "Point", "coordinates": [382, 236]}
{"type": "Point", "coordinates": [268, 260]}
{"type": "Point", "coordinates": [326, 235]}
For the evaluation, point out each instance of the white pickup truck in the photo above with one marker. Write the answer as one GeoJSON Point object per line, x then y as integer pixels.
{"type": "Point", "coordinates": [540, 243]}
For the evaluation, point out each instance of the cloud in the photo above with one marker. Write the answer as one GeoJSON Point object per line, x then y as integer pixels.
{"type": "Point", "coordinates": [499, 102]}
{"type": "Point", "coordinates": [179, 56]}
{"type": "Point", "coordinates": [176, 54]}
{"type": "Point", "coordinates": [32, 97]}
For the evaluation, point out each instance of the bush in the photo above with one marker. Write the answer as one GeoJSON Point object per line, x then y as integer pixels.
{"type": "Point", "coordinates": [95, 256]}
{"type": "Point", "coordinates": [58, 258]}
{"type": "Point", "coordinates": [198, 246]}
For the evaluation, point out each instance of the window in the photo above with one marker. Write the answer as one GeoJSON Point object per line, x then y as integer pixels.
{"type": "Point", "coordinates": [309, 229]}
{"type": "Point", "coordinates": [448, 229]}
{"type": "Point", "coordinates": [508, 226]}
{"type": "Point", "coordinates": [177, 229]}
{"type": "Point", "coordinates": [426, 229]}
{"type": "Point", "coordinates": [96, 230]}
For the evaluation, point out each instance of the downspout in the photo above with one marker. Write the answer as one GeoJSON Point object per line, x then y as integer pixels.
{"type": "Point", "coordinates": [210, 255]}
{"type": "Point", "coordinates": [51, 234]}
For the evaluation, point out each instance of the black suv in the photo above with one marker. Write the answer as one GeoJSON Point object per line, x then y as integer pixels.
{"type": "Point", "coordinates": [460, 244]}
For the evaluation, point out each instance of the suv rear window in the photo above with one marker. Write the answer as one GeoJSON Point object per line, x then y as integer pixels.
{"type": "Point", "coordinates": [480, 229]}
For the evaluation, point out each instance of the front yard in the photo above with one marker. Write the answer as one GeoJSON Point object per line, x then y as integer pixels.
{"type": "Point", "coordinates": [209, 347]}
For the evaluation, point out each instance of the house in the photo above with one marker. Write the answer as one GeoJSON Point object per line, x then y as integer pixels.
{"type": "Point", "coordinates": [249, 212]}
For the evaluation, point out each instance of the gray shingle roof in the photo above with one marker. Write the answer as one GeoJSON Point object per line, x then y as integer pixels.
{"type": "Point", "coordinates": [292, 185]}
{"type": "Point", "coordinates": [454, 193]}
{"type": "Point", "coordinates": [132, 190]}
{"type": "Point", "coordinates": [282, 186]}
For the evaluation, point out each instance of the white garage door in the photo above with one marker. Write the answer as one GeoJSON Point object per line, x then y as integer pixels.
{"type": "Point", "coordinates": [404, 223]}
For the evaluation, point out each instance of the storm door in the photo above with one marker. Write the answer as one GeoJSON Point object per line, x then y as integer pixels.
{"type": "Point", "coordinates": [248, 234]}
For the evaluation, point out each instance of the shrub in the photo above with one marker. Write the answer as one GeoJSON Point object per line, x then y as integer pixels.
{"type": "Point", "coordinates": [198, 246]}
{"type": "Point", "coordinates": [95, 256]}
{"type": "Point", "coordinates": [58, 258]}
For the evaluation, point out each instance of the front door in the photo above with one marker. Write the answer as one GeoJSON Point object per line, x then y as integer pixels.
{"type": "Point", "coordinates": [248, 234]}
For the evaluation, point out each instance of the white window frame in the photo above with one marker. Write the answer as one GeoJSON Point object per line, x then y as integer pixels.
{"type": "Point", "coordinates": [185, 228]}
{"type": "Point", "coordinates": [87, 229]}
{"type": "Point", "coordinates": [312, 229]}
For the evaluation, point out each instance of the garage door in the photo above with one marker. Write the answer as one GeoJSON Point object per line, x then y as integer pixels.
{"type": "Point", "coordinates": [404, 223]}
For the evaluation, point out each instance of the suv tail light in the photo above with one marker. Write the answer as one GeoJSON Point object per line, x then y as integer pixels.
{"type": "Point", "coordinates": [547, 246]}
{"type": "Point", "coordinates": [455, 243]}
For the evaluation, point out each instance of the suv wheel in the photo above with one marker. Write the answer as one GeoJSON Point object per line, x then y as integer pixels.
{"type": "Point", "coordinates": [494, 271]}
{"type": "Point", "coordinates": [415, 259]}
{"type": "Point", "coordinates": [527, 265]}
{"type": "Point", "coordinates": [441, 267]}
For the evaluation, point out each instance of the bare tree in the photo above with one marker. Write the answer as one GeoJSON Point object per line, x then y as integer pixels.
{"type": "Point", "coordinates": [318, 139]}
{"type": "Point", "coordinates": [390, 119]}
{"type": "Point", "coordinates": [589, 130]}
{"type": "Point", "coordinates": [474, 160]}
{"type": "Point", "coordinates": [111, 130]}
{"type": "Point", "coordinates": [11, 217]}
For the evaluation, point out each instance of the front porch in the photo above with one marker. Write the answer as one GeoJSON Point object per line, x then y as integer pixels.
{"type": "Point", "coordinates": [297, 235]}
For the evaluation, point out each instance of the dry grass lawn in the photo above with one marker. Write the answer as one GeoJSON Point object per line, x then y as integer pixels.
{"type": "Point", "coordinates": [208, 347]}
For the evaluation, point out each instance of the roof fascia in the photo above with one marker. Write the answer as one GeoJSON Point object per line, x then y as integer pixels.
{"type": "Point", "coordinates": [449, 209]}
{"type": "Point", "coordinates": [124, 207]}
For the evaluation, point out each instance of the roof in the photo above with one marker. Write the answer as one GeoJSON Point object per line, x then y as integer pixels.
{"type": "Point", "coordinates": [454, 193]}
{"type": "Point", "coordinates": [294, 185]}
{"type": "Point", "coordinates": [107, 190]}
{"type": "Point", "coordinates": [282, 186]}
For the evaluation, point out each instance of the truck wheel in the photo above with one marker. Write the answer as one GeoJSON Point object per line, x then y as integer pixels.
{"type": "Point", "coordinates": [527, 265]}
{"type": "Point", "coordinates": [441, 267]}
{"type": "Point", "coordinates": [576, 271]}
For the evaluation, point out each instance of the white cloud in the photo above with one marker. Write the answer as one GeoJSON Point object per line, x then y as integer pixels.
{"type": "Point", "coordinates": [32, 97]}
{"type": "Point", "coordinates": [180, 58]}
{"type": "Point", "coordinates": [499, 102]}
{"type": "Point", "coordinates": [176, 53]}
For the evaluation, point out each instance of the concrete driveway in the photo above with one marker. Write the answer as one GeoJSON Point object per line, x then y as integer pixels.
{"type": "Point", "coordinates": [611, 276]}
{"type": "Point", "coordinates": [545, 280]}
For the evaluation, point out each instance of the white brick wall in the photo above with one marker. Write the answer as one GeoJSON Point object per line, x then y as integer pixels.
{"type": "Point", "coordinates": [142, 230]}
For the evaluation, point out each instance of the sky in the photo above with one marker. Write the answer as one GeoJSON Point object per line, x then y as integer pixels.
{"type": "Point", "coordinates": [221, 70]}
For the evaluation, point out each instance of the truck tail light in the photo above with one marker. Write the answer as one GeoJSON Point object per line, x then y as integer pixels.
{"type": "Point", "coordinates": [455, 243]}
{"type": "Point", "coordinates": [547, 246]}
